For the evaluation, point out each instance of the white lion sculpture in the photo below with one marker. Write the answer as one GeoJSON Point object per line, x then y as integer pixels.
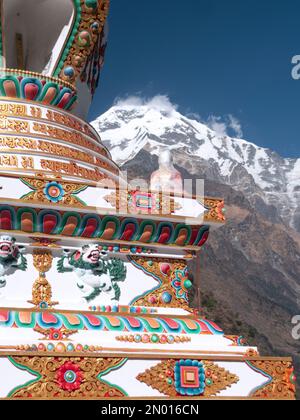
{"type": "Point", "coordinates": [97, 275]}
{"type": "Point", "coordinates": [11, 258]}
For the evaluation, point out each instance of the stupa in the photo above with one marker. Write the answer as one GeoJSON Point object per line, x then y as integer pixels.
{"type": "Point", "coordinates": [95, 277]}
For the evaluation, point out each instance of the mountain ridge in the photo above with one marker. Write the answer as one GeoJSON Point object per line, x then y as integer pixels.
{"type": "Point", "coordinates": [266, 178]}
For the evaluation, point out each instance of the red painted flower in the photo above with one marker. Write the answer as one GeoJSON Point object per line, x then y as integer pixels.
{"type": "Point", "coordinates": [55, 334]}
{"type": "Point", "coordinates": [69, 377]}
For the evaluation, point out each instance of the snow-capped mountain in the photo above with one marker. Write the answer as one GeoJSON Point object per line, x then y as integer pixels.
{"type": "Point", "coordinates": [270, 182]}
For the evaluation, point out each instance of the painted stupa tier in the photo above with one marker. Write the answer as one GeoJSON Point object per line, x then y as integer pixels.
{"type": "Point", "coordinates": [97, 279]}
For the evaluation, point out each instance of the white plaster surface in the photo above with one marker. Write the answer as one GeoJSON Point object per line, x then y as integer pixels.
{"type": "Point", "coordinates": [249, 379]}
{"type": "Point", "coordinates": [10, 377]}
{"type": "Point", "coordinates": [42, 24]}
{"type": "Point", "coordinates": [126, 378]}
{"type": "Point", "coordinates": [64, 287]}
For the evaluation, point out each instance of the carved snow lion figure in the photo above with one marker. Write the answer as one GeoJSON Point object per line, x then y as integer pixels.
{"type": "Point", "coordinates": [96, 274]}
{"type": "Point", "coordinates": [11, 258]}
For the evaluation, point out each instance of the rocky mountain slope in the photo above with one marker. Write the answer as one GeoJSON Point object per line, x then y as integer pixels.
{"type": "Point", "coordinates": [251, 266]}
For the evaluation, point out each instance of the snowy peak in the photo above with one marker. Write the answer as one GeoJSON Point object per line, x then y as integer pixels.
{"type": "Point", "coordinates": [134, 125]}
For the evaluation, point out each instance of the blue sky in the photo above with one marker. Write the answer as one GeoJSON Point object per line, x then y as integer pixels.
{"type": "Point", "coordinates": [213, 58]}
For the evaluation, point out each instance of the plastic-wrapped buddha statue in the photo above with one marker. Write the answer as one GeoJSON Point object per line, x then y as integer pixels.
{"type": "Point", "coordinates": [166, 178]}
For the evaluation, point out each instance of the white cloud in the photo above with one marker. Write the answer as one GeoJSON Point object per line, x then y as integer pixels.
{"type": "Point", "coordinates": [194, 116]}
{"type": "Point", "coordinates": [158, 102]}
{"type": "Point", "coordinates": [236, 126]}
{"type": "Point", "coordinates": [223, 125]}
{"type": "Point", "coordinates": [217, 125]}
{"type": "Point", "coordinates": [129, 101]}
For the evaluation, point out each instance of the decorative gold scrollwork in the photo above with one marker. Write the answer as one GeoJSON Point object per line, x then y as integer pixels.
{"type": "Point", "coordinates": [282, 380]}
{"type": "Point", "coordinates": [161, 378]}
{"type": "Point", "coordinates": [68, 377]}
{"type": "Point", "coordinates": [41, 290]}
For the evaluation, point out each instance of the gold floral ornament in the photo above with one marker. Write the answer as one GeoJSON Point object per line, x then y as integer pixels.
{"type": "Point", "coordinates": [175, 285]}
{"type": "Point", "coordinates": [93, 17]}
{"type": "Point", "coordinates": [41, 290]}
{"type": "Point", "coordinates": [68, 377]}
{"type": "Point", "coordinates": [237, 341]}
{"type": "Point", "coordinates": [251, 353]}
{"type": "Point", "coordinates": [216, 210]}
{"type": "Point", "coordinates": [188, 378]}
{"type": "Point", "coordinates": [44, 243]}
{"type": "Point", "coordinates": [281, 383]}
{"type": "Point", "coordinates": [140, 202]}
{"type": "Point", "coordinates": [62, 334]}
{"type": "Point", "coordinates": [55, 191]}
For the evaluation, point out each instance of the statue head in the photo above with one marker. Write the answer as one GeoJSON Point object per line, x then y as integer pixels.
{"type": "Point", "coordinates": [8, 248]}
{"type": "Point", "coordinates": [165, 159]}
{"type": "Point", "coordinates": [166, 178]}
{"type": "Point", "coordinates": [89, 255]}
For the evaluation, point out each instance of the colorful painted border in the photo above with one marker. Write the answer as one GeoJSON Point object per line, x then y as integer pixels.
{"type": "Point", "coordinates": [70, 40]}
{"type": "Point", "coordinates": [107, 228]}
{"type": "Point", "coordinates": [36, 87]}
{"type": "Point", "coordinates": [113, 323]}
{"type": "Point", "coordinates": [93, 12]}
